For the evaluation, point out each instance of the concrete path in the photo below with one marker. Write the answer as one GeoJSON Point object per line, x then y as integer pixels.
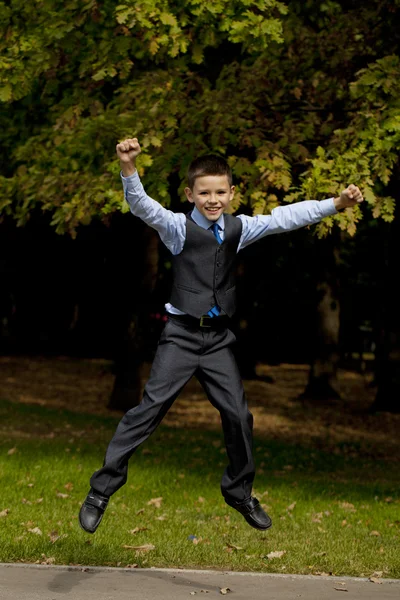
{"type": "Point", "coordinates": [40, 582]}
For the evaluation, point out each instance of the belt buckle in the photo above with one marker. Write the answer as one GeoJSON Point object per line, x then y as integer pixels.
{"type": "Point", "coordinates": [203, 321]}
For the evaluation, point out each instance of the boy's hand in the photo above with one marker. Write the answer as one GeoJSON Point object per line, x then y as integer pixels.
{"type": "Point", "coordinates": [349, 197]}
{"type": "Point", "coordinates": [127, 151]}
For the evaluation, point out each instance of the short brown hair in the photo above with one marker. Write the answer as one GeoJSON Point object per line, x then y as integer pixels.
{"type": "Point", "coordinates": [208, 165]}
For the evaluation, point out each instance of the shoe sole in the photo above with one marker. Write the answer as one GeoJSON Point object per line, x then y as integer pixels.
{"type": "Point", "coordinates": [256, 526]}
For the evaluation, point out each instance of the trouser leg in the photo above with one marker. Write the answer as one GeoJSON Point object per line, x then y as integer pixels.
{"type": "Point", "coordinates": [175, 362]}
{"type": "Point", "coordinates": [219, 375]}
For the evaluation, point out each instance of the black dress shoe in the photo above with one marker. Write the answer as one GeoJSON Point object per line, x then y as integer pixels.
{"type": "Point", "coordinates": [253, 512]}
{"type": "Point", "coordinates": [92, 511]}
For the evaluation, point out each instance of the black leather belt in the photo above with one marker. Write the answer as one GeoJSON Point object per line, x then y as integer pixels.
{"type": "Point", "coordinates": [205, 322]}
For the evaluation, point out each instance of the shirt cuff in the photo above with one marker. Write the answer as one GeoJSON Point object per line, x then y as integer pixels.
{"type": "Point", "coordinates": [327, 207]}
{"type": "Point", "coordinates": [131, 178]}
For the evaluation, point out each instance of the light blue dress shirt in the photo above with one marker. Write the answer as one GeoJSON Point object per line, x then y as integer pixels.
{"type": "Point", "coordinates": [171, 226]}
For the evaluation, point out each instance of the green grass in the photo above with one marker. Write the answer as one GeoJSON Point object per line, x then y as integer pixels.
{"type": "Point", "coordinates": [332, 513]}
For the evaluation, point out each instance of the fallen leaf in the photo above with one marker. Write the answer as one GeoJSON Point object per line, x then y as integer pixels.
{"type": "Point", "coordinates": [291, 507]}
{"type": "Point", "coordinates": [144, 548]}
{"type": "Point", "coordinates": [193, 593]}
{"type": "Point", "coordinates": [54, 536]}
{"type": "Point", "coordinates": [224, 591]}
{"type": "Point", "coordinates": [197, 540]}
{"type": "Point", "coordinates": [375, 533]}
{"type": "Point", "coordinates": [132, 566]}
{"type": "Point", "coordinates": [233, 547]}
{"type": "Point", "coordinates": [137, 529]}
{"type": "Point", "coordinates": [4, 512]}
{"type": "Point", "coordinates": [36, 530]}
{"type": "Point", "coordinates": [11, 451]}
{"type": "Point", "coordinates": [341, 589]}
{"type": "Point", "coordinates": [377, 574]}
{"type": "Point", "coordinates": [140, 511]}
{"type": "Point", "coordinates": [374, 580]}
{"type": "Point", "coordinates": [161, 518]}
{"type": "Point", "coordinates": [316, 518]}
{"type": "Point", "coordinates": [155, 502]}
{"type": "Point", "coordinates": [276, 554]}
{"type": "Point", "coordinates": [47, 560]}
{"type": "Point", "coordinates": [60, 495]}
{"type": "Point", "coordinates": [39, 500]}
{"type": "Point", "coordinates": [69, 486]}
{"type": "Point", "coordinates": [31, 485]}
{"type": "Point", "coordinates": [347, 506]}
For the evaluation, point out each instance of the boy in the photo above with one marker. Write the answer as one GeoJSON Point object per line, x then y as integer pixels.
{"type": "Point", "coordinates": [197, 339]}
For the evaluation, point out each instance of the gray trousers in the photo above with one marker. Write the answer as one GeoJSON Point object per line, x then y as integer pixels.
{"type": "Point", "coordinates": [183, 351]}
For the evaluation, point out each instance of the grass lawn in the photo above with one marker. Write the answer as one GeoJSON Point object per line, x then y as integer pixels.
{"type": "Point", "coordinates": [334, 505]}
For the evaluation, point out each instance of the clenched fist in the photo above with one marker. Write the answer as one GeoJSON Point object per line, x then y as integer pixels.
{"type": "Point", "coordinates": [128, 150]}
{"type": "Point", "coordinates": [349, 197]}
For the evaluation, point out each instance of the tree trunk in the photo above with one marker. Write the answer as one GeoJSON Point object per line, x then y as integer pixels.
{"type": "Point", "coordinates": [322, 384]}
{"type": "Point", "coordinates": [127, 388]}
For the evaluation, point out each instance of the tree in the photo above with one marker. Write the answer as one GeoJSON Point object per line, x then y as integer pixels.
{"type": "Point", "coordinates": [76, 78]}
{"type": "Point", "coordinates": [298, 119]}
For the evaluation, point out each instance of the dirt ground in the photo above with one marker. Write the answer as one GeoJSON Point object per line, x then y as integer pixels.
{"type": "Point", "coordinates": [85, 385]}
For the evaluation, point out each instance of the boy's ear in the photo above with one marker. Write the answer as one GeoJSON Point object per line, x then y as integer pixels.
{"type": "Point", "coordinates": [232, 193]}
{"type": "Point", "coordinates": [189, 194]}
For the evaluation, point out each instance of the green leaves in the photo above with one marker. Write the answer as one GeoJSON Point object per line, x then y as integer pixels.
{"type": "Point", "coordinates": [365, 152]}
{"type": "Point", "coordinates": [188, 78]}
{"type": "Point", "coordinates": [5, 93]}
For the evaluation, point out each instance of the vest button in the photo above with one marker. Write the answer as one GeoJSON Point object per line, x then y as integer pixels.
{"type": "Point", "coordinates": [218, 264]}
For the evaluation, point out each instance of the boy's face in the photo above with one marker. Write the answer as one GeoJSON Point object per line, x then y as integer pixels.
{"type": "Point", "coordinates": [211, 194]}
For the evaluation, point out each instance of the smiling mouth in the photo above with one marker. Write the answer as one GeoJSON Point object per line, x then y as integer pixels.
{"type": "Point", "coordinates": [213, 209]}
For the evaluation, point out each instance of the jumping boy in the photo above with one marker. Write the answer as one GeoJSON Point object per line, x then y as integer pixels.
{"type": "Point", "coordinates": [197, 339]}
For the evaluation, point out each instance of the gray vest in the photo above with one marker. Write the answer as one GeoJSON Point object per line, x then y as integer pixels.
{"type": "Point", "coordinates": [204, 272]}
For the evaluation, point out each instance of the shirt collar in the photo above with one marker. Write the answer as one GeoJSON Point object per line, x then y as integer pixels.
{"type": "Point", "coordinates": [203, 222]}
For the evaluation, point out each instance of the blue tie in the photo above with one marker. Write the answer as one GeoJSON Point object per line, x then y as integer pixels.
{"type": "Point", "coordinates": [215, 230]}
{"type": "Point", "coordinates": [215, 310]}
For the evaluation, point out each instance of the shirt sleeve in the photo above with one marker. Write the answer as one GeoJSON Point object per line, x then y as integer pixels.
{"type": "Point", "coordinates": [284, 218]}
{"type": "Point", "coordinates": [171, 226]}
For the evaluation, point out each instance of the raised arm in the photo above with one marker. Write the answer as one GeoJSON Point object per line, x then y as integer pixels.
{"type": "Point", "coordinates": [294, 216]}
{"type": "Point", "coordinates": [171, 226]}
